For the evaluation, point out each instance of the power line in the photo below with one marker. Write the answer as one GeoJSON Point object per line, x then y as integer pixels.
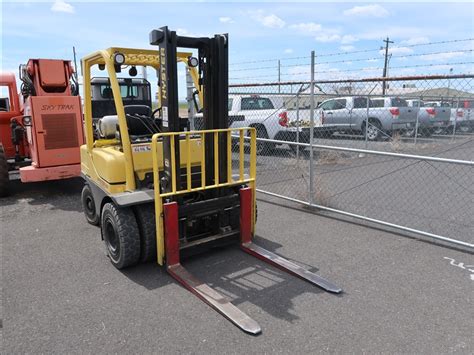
{"type": "Point", "coordinates": [440, 42]}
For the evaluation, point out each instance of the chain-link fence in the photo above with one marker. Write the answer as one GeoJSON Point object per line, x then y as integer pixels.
{"type": "Point", "coordinates": [396, 151]}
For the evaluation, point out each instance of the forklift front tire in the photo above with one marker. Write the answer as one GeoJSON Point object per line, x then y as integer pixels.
{"type": "Point", "coordinates": [121, 236]}
{"type": "Point", "coordinates": [88, 205]}
{"type": "Point", "coordinates": [147, 226]}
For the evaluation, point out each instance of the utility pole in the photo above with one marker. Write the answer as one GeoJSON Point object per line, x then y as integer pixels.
{"type": "Point", "coordinates": [387, 42]}
{"type": "Point", "coordinates": [279, 75]}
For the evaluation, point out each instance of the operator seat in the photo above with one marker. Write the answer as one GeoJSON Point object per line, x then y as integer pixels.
{"type": "Point", "coordinates": [139, 121]}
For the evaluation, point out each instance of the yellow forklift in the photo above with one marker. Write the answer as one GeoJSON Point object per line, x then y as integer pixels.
{"type": "Point", "coordinates": [158, 189]}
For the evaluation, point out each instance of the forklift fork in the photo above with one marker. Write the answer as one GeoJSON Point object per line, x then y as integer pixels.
{"type": "Point", "coordinates": [209, 295]}
{"type": "Point", "coordinates": [249, 247]}
{"type": "Point", "coordinates": [200, 289]}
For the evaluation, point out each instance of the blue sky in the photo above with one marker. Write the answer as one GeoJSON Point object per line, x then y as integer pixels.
{"type": "Point", "coordinates": [258, 31]}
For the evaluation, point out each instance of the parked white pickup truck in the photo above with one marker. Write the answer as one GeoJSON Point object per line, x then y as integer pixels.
{"type": "Point", "coordinates": [271, 120]}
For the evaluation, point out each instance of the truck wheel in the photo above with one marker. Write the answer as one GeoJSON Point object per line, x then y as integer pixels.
{"type": "Point", "coordinates": [147, 226]}
{"type": "Point", "coordinates": [4, 179]}
{"type": "Point", "coordinates": [427, 132]}
{"type": "Point", "coordinates": [263, 148]}
{"type": "Point", "coordinates": [464, 128]}
{"type": "Point", "coordinates": [121, 236]}
{"type": "Point", "coordinates": [88, 206]}
{"type": "Point", "coordinates": [373, 130]}
{"type": "Point", "coordinates": [440, 130]}
{"type": "Point", "coordinates": [294, 148]}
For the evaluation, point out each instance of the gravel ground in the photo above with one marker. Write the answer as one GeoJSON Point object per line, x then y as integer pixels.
{"type": "Point", "coordinates": [430, 196]}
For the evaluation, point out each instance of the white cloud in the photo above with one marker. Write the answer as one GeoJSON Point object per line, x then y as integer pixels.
{"type": "Point", "coordinates": [309, 27]}
{"type": "Point", "coordinates": [62, 6]}
{"type": "Point", "coordinates": [288, 51]}
{"type": "Point", "coordinates": [347, 48]}
{"type": "Point", "coordinates": [374, 10]}
{"type": "Point", "coordinates": [327, 37]}
{"type": "Point", "coordinates": [271, 21]}
{"type": "Point", "coordinates": [346, 39]}
{"type": "Point", "coordinates": [226, 19]}
{"type": "Point", "coordinates": [185, 32]}
{"type": "Point", "coordinates": [415, 40]}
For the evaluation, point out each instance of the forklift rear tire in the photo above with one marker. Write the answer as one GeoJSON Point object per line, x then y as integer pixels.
{"type": "Point", "coordinates": [121, 236]}
{"type": "Point", "coordinates": [4, 179]}
{"type": "Point", "coordinates": [147, 226]}
{"type": "Point", "coordinates": [88, 205]}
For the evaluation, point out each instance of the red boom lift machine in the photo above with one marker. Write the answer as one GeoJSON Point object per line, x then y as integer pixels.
{"type": "Point", "coordinates": [40, 135]}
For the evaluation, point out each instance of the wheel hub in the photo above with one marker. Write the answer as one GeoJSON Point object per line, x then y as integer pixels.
{"type": "Point", "coordinates": [111, 239]}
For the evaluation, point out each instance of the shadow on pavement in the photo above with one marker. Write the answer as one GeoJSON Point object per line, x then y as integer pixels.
{"type": "Point", "coordinates": [239, 277]}
{"type": "Point", "coordinates": [61, 194]}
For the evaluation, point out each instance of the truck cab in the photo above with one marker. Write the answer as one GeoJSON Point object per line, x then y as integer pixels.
{"type": "Point", "coordinates": [134, 91]}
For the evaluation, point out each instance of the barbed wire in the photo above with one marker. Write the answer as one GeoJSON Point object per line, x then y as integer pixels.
{"type": "Point", "coordinates": [353, 52]}
{"type": "Point", "coordinates": [355, 60]}
{"type": "Point", "coordinates": [380, 58]}
{"type": "Point", "coordinates": [352, 70]}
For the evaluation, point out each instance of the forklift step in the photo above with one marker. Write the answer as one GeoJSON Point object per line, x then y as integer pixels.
{"type": "Point", "coordinates": [289, 267]}
{"type": "Point", "coordinates": [214, 299]}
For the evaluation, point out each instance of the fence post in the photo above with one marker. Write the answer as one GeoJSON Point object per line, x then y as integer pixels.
{"type": "Point", "coordinates": [297, 125]}
{"type": "Point", "coordinates": [311, 134]}
{"type": "Point", "coordinates": [416, 126]}
{"type": "Point", "coordinates": [367, 122]}
{"type": "Point", "coordinates": [455, 119]}
{"type": "Point", "coordinates": [279, 75]}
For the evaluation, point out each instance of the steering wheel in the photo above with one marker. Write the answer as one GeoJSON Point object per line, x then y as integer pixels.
{"type": "Point", "coordinates": [154, 112]}
{"type": "Point", "coordinates": [3, 109]}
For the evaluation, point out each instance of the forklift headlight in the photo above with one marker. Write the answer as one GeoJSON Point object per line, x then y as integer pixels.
{"type": "Point", "coordinates": [193, 62]}
{"type": "Point", "coordinates": [119, 58]}
{"type": "Point", "coordinates": [26, 120]}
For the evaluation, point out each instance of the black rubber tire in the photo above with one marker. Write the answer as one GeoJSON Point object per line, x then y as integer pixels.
{"type": "Point", "coordinates": [121, 236]}
{"type": "Point", "coordinates": [4, 178]}
{"type": "Point", "coordinates": [464, 129]}
{"type": "Point", "coordinates": [427, 132]}
{"type": "Point", "coordinates": [377, 132]}
{"type": "Point", "coordinates": [145, 215]}
{"type": "Point", "coordinates": [88, 205]}
{"type": "Point", "coordinates": [263, 148]}
{"type": "Point", "coordinates": [293, 148]}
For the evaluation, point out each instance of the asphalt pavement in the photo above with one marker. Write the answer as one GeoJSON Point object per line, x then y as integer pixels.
{"type": "Point", "coordinates": [62, 295]}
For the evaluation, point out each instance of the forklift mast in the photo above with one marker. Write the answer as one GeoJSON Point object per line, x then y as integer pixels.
{"type": "Point", "coordinates": [213, 78]}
